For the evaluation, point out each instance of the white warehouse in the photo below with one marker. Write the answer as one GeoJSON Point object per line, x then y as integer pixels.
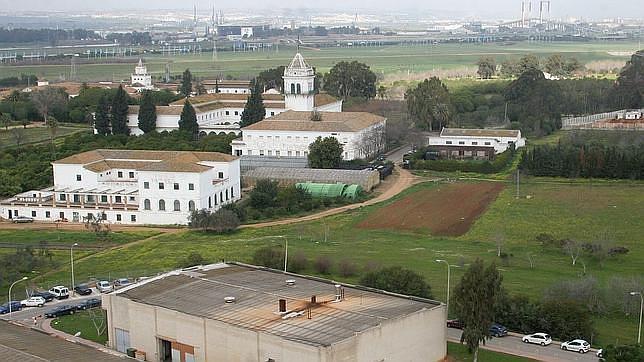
{"type": "Point", "coordinates": [131, 187]}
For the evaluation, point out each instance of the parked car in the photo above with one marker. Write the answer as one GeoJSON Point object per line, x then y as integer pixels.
{"type": "Point", "coordinates": [83, 289]}
{"type": "Point", "coordinates": [537, 338]}
{"type": "Point", "coordinates": [15, 306]}
{"type": "Point", "coordinates": [33, 302]}
{"type": "Point", "coordinates": [600, 354]}
{"type": "Point", "coordinates": [498, 330]}
{"type": "Point", "coordinates": [48, 296]}
{"type": "Point", "coordinates": [88, 303]}
{"type": "Point", "coordinates": [60, 311]}
{"type": "Point", "coordinates": [104, 286]}
{"type": "Point", "coordinates": [455, 323]}
{"type": "Point", "coordinates": [576, 345]}
{"type": "Point", "coordinates": [60, 292]}
{"type": "Point", "coordinates": [22, 220]}
{"type": "Point", "coordinates": [122, 282]}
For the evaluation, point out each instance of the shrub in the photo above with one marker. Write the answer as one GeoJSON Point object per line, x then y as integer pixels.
{"type": "Point", "coordinates": [498, 164]}
{"type": "Point", "coordinates": [347, 268]}
{"type": "Point", "coordinates": [322, 264]}
{"type": "Point", "coordinates": [223, 220]}
{"type": "Point", "coordinates": [398, 280]}
{"type": "Point", "coordinates": [298, 263]}
{"type": "Point", "coordinates": [192, 259]}
{"type": "Point", "coordinates": [270, 257]}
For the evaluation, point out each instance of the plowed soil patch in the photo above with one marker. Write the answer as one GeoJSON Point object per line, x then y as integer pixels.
{"type": "Point", "coordinates": [448, 210]}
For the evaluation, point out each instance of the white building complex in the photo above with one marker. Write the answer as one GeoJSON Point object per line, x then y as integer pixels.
{"type": "Point", "coordinates": [141, 79]}
{"type": "Point", "coordinates": [131, 187]}
{"type": "Point", "coordinates": [235, 312]}
{"type": "Point", "coordinates": [464, 143]}
{"type": "Point", "coordinates": [220, 112]}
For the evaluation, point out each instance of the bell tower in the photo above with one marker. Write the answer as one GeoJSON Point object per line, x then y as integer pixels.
{"type": "Point", "coordinates": [299, 88]}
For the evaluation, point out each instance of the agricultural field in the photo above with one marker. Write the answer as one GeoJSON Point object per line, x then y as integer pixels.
{"type": "Point", "coordinates": [396, 62]}
{"type": "Point", "coordinates": [579, 211]}
{"type": "Point", "coordinates": [32, 135]}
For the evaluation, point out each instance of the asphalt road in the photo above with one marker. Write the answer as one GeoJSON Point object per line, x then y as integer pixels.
{"type": "Point", "coordinates": [26, 315]}
{"type": "Point", "coordinates": [512, 344]}
{"type": "Point", "coordinates": [397, 155]}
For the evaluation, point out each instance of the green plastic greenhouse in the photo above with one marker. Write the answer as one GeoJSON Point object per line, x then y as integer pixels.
{"type": "Point", "coordinates": [330, 190]}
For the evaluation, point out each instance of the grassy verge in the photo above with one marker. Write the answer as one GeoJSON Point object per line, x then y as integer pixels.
{"type": "Point", "coordinates": [458, 353]}
{"type": "Point", "coordinates": [81, 321]}
{"type": "Point", "coordinates": [36, 237]}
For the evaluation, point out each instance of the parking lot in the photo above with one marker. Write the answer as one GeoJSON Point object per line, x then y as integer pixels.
{"type": "Point", "coordinates": [27, 314]}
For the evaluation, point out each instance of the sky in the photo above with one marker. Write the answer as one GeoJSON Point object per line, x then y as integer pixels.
{"type": "Point", "coordinates": [488, 8]}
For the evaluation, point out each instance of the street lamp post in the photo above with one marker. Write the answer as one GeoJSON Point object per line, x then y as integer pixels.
{"type": "Point", "coordinates": [71, 256]}
{"type": "Point", "coordinates": [639, 331]}
{"type": "Point", "coordinates": [11, 286]}
{"type": "Point", "coordinates": [448, 278]}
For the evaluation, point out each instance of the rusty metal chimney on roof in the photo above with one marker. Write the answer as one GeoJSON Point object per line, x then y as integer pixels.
{"type": "Point", "coordinates": [282, 305]}
{"type": "Point", "coordinates": [313, 299]}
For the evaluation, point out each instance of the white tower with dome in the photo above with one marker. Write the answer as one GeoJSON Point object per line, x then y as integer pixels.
{"type": "Point", "coordinates": [141, 79]}
{"type": "Point", "coordinates": [299, 91]}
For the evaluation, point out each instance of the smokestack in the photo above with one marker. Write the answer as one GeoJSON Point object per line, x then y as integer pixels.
{"type": "Point", "coordinates": [282, 305]}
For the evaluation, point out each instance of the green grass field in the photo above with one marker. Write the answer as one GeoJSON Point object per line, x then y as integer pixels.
{"type": "Point", "coordinates": [81, 321]}
{"type": "Point", "coordinates": [574, 211]}
{"type": "Point", "coordinates": [34, 135]}
{"type": "Point", "coordinates": [383, 60]}
{"type": "Point", "coordinates": [34, 237]}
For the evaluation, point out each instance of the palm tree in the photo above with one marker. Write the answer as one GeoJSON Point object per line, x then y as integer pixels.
{"type": "Point", "coordinates": [52, 126]}
{"type": "Point", "coordinates": [442, 114]}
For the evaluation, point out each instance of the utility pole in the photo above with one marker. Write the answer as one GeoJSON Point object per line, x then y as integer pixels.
{"type": "Point", "coordinates": [518, 176]}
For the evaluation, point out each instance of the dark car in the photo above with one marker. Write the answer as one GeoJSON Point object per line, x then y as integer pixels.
{"type": "Point", "coordinates": [89, 303]}
{"type": "Point", "coordinates": [497, 330]}
{"type": "Point", "coordinates": [48, 296]}
{"type": "Point", "coordinates": [83, 289]}
{"type": "Point", "coordinates": [455, 323]}
{"type": "Point", "coordinates": [60, 311]}
{"type": "Point", "coordinates": [15, 306]}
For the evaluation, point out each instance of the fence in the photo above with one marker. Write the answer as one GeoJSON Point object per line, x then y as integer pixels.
{"type": "Point", "coordinates": [587, 121]}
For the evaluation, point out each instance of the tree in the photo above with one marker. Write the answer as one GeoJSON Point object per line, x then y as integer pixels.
{"type": "Point", "coordinates": [422, 103]}
{"type": "Point", "coordinates": [52, 126]}
{"type": "Point", "coordinates": [188, 119]}
{"type": "Point", "coordinates": [120, 110]}
{"type": "Point", "coordinates": [220, 221]}
{"type": "Point", "coordinates": [147, 113]}
{"type": "Point", "coordinates": [18, 136]}
{"type": "Point", "coordinates": [573, 249]}
{"type": "Point", "coordinates": [623, 353]}
{"type": "Point", "coordinates": [186, 83]}
{"type": "Point", "coordinates": [47, 99]}
{"type": "Point", "coordinates": [325, 153]}
{"type": "Point", "coordinates": [487, 67]}
{"type": "Point", "coordinates": [351, 79]}
{"type": "Point", "coordinates": [629, 89]}
{"type": "Point", "coordinates": [192, 259]}
{"type": "Point", "coordinates": [398, 280]}
{"type": "Point", "coordinates": [254, 110]}
{"type": "Point", "coordinates": [264, 194]}
{"type": "Point", "coordinates": [527, 62]}
{"type": "Point", "coordinates": [555, 65]}
{"type": "Point", "coordinates": [5, 120]}
{"type": "Point", "coordinates": [270, 257]}
{"type": "Point", "coordinates": [474, 302]}
{"type": "Point", "coordinates": [272, 78]}
{"type": "Point", "coordinates": [102, 117]}
{"type": "Point", "coordinates": [382, 92]}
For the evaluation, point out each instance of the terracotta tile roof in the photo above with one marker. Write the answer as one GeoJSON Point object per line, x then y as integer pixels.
{"type": "Point", "coordinates": [162, 161]}
{"type": "Point", "coordinates": [460, 132]}
{"type": "Point", "coordinates": [330, 122]}
{"type": "Point", "coordinates": [324, 99]}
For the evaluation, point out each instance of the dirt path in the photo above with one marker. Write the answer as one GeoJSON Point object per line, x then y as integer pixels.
{"type": "Point", "coordinates": [397, 183]}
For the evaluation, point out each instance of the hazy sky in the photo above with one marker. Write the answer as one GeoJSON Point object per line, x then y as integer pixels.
{"type": "Point", "coordinates": [494, 8]}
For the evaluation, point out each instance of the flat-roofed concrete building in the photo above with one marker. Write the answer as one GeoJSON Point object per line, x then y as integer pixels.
{"type": "Point", "coordinates": [462, 143]}
{"type": "Point", "coordinates": [236, 312]}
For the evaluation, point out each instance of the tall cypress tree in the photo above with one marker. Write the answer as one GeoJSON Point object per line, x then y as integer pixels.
{"type": "Point", "coordinates": [119, 112]}
{"type": "Point", "coordinates": [186, 83]}
{"type": "Point", "coordinates": [147, 113]}
{"type": "Point", "coordinates": [188, 120]}
{"type": "Point", "coordinates": [254, 110]}
{"type": "Point", "coordinates": [102, 117]}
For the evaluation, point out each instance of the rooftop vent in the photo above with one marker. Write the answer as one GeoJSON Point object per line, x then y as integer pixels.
{"type": "Point", "coordinates": [339, 293]}
{"type": "Point", "coordinates": [290, 282]}
{"type": "Point", "coordinates": [229, 300]}
{"type": "Point", "coordinates": [282, 305]}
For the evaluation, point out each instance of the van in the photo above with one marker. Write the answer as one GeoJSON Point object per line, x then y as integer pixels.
{"type": "Point", "coordinates": [60, 292]}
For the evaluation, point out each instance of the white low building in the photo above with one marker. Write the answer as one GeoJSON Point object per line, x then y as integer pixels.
{"type": "Point", "coordinates": [475, 143]}
{"type": "Point", "coordinates": [141, 79]}
{"type": "Point", "coordinates": [290, 133]}
{"type": "Point", "coordinates": [131, 187]}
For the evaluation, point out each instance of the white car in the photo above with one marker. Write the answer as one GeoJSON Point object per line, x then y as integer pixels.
{"type": "Point", "coordinates": [60, 292]}
{"type": "Point", "coordinates": [33, 302]}
{"type": "Point", "coordinates": [537, 338]}
{"type": "Point", "coordinates": [104, 286]}
{"type": "Point", "coordinates": [576, 345]}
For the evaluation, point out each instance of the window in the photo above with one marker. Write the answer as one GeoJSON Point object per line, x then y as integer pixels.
{"type": "Point", "coordinates": [297, 153]}
{"type": "Point", "coordinates": [292, 88]}
{"type": "Point", "coordinates": [277, 153]}
{"type": "Point", "coordinates": [146, 185]}
{"type": "Point", "coordinates": [191, 187]}
{"type": "Point", "coordinates": [237, 113]}
{"type": "Point", "coordinates": [177, 205]}
{"type": "Point", "coordinates": [131, 198]}
{"type": "Point", "coordinates": [232, 192]}
{"type": "Point", "coordinates": [270, 152]}
{"type": "Point", "coordinates": [474, 143]}
{"type": "Point", "coordinates": [191, 205]}
{"type": "Point", "coordinates": [76, 198]}
{"type": "Point", "coordinates": [103, 198]}
{"type": "Point", "coordinates": [228, 113]}
{"type": "Point", "coordinates": [120, 174]}
{"type": "Point", "coordinates": [161, 205]}
{"type": "Point", "coordinates": [290, 153]}
{"type": "Point", "coordinates": [33, 214]}
{"type": "Point", "coordinates": [272, 113]}
{"type": "Point", "coordinates": [176, 186]}
{"type": "Point", "coordinates": [461, 142]}
{"type": "Point", "coordinates": [221, 197]}
{"type": "Point", "coordinates": [131, 174]}
{"type": "Point", "coordinates": [210, 202]}
{"type": "Point", "coordinates": [299, 88]}
{"type": "Point", "coordinates": [221, 174]}
{"type": "Point", "coordinates": [104, 216]}
{"type": "Point", "coordinates": [226, 194]}
{"type": "Point", "coordinates": [78, 177]}
{"type": "Point", "coordinates": [118, 217]}
{"type": "Point", "coordinates": [161, 186]}
{"type": "Point", "coordinates": [448, 142]}
{"type": "Point", "coordinates": [133, 218]}
{"type": "Point", "coordinates": [487, 143]}
{"type": "Point", "coordinates": [61, 215]}
{"type": "Point", "coordinates": [215, 197]}
{"type": "Point", "coordinates": [146, 204]}
{"type": "Point", "coordinates": [63, 197]}
{"type": "Point", "coordinates": [118, 199]}
{"type": "Point", "coordinates": [47, 214]}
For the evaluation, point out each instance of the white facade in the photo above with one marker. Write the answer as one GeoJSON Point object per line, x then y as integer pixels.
{"type": "Point", "coordinates": [132, 187]}
{"type": "Point", "coordinates": [141, 79]}
{"type": "Point", "coordinates": [299, 79]}
{"type": "Point", "coordinates": [499, 139]}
